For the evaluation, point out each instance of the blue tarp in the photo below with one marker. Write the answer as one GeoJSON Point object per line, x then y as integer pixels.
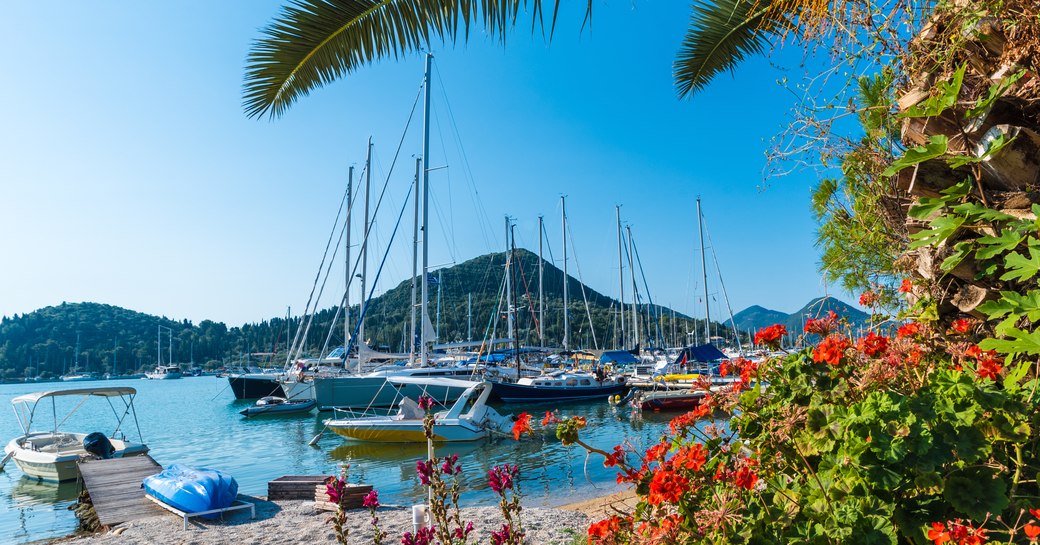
{"type": "Point", "coordinates": [702, 353]}
{"type": "Point", "coordinates": [618, 357]}
{"type": "Point", "coordinates": [192, 489]}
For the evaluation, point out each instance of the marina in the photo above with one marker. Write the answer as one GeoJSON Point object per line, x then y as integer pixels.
{"type": "Point", "coordinates": [209, 432]}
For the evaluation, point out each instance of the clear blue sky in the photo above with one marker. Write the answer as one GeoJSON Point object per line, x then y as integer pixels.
{"type": "Point", "coordinates": [129, 174]}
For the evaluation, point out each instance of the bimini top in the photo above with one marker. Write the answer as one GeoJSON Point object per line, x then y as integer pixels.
{"type": "Point", "coordinates": [111, 391]}
{"type": "Point", "coordinates": [433, 381]}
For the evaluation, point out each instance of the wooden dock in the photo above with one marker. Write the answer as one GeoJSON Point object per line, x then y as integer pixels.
{"type": "Point", "coordinates": [115, 488]}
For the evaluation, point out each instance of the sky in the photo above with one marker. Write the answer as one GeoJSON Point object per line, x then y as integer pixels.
{"type": "Point", "coordinates": [129, 174]}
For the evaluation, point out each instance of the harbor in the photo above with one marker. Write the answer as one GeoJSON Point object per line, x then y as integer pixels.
{"type": "Point", "coordinates": [196, 421]}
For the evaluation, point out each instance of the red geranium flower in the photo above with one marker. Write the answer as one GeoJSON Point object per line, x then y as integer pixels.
{"type": "Point", "coordinates": [831, 350]}
{"type": "Point", "coordinates": [745, 478]}
{"type": "Point", "coordinates": [962, 325]}
{"type": "Point", "coordinates": [550, 418]}
{"type": "Point", "coordinates": [1032, 531]}
{"type": "Point", "coordinates": [873, 345]}
{"type": "Point", "coordinates": [522, 425]}
{"type": "Point", "coordinates": [770, 336]}
{"type": "Point", "coordinates": [938, 533]}
{"type": "Point", "coordinates": [908, 330]}
{"type": "Point", "coordinates": [822, 326]}
{"type": "Point", "coordinates": [666, 486]}
{"type": "Point", "coordinates": [868, 299]}
{"type": "Point", "coordinates": [905, 286]}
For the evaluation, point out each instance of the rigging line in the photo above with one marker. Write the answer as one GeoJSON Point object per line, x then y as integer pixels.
{"type": "Point", "coordinates": [530, 300]}
{"type": "Point", "coordinates": [650, 298]}
{"type": "Point", "coordinates": [449, 231]}
{"type": "Point", "coordinates": [306, 310]}
{"type": "Point", "coordinates": [379, 271]}
{"type": "Point", "coordinates": [444, 229]}
{"type": "Point", "coordinates": [581, 282]}
{"type": "Point", "coordinates": [485, 225]}
{"type": "Point", "coordinates": [725, 296]}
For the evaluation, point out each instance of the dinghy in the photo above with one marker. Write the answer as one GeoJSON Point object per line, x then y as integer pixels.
{"type": "Point", "coordinates": [279, 405]}
{"type": "Point", "coordinates": [192, 489]}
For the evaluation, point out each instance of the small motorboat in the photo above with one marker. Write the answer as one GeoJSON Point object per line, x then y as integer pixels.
{"type": "Point", "coordinates": [192, 489]}
{"type": "Point", "coordinates": [661, 400]}
{"type": "Point", "coordinates": [165, 372]}
{"type": "Point", "coordinates": [51, 455]}
{"type": "Point", "coordinates": [279, 405]}
{"type": "Point", "coordinates": [468, 419]}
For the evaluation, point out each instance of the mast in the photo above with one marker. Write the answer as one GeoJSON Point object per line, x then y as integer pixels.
{"type": "Point", "coordinates": [437, 330]}
{"type": "Point", "coordinates": [635, 292]}
{"type": "Point", "coordinates": [364, 248]}
{"type": "Point", "coordinates": [621, 275]}
{"type": "Point", "coordinates": [516, 340]}
{"type": "Point", "coordinates": [566, 315]}
{"type": "Point", "coordinates": [346, 271]}
{"type": "Point", "coordinates": [415, 262]}
{"type": "Point", "coordinates": [509, 285]}
{"type": "Point", "coordinates": [469, 316]}
{"type": "Point", "coordinates": [704, 271]}
{"type": "Point", "coordinates": [541, 300]}
{"type": "Point", "coordinates": [425, 206]}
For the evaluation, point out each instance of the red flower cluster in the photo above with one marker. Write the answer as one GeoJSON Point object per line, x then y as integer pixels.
{"type": "Point", "coordinates": [962, 325]}
{"type": "Point", "coordinates": [908, 330]}
{"type": "Point", "coordinates": [371, 499]}
{"type": "Point", "coordinates": [906, 286]}
{"type": "Point", "coordinates": [522, 426]}
{"type": "Point", "coordinates": [987, 363]}
{"type": "Point", "coordinates": [958, 532]}
{"type": "Point", "coordinates": [690, 458]}
{"type": "Point", "coordinates": [771, 336]}
{"type": "Point", "coordinates": [606, 531]}
{"type": "Point", "coordinates": [550, 418]}
{"type": "Point", "coordinates": [667, 486]}
{"type": "Point", "coordinates": [745, 478]}
{"type": "Point", "coordinates": [868, 299]}
{"type": "Point", "coordinates": [425, 402]}
{"type": "Point", "coordinates": [822, 326]}
{"type": "Point", "coordinates": [615, 458]}
{"type": "Point", "coordinates": [873, 345]}
{"type": "Point", "coordinates": [451, 465]}
{"type": "Point", "coordinates": [335, 487]}
{"type": "Point", "coordinates": [831, 350]}
{"type": "Point", "coordinates": [657, 452]}
{"type": "Point", "coordinates": [423, 536]}
{"type": "Point", "coordinates": [500, 478]}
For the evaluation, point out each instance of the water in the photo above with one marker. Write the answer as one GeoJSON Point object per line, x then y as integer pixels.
{"type": "Point", "coordinates": [195, 421]}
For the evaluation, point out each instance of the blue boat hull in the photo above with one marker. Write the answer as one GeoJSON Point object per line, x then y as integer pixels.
{"type": "Point", "coordinates": [192, 489]}
{"type": "Point", "coordinates": [520, 393]}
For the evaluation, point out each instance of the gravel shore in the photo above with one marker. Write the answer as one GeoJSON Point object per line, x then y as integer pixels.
{"type": "Point", "coordinates": [291, 522]}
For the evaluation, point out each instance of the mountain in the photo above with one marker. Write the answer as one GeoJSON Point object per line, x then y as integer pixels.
{"type": "Point", "coordinates": [116, 339]}
{"type": "Point", "coordinates": [756, 317]}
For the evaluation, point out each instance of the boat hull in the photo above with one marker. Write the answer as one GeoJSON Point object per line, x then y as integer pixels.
{"type": "Point", "coordinates": [295, 407]}
{"type": "Point", "coordinates": [392, 432]}
{"type": "Point", "coordinates": [255, 386]}
{"type": "Point", "coordinates": [374, 392]}
{"type": "Point", "coordinates": [672, 401]}
{"type": "Point", "coordinates": [521, 393]}
{"type": "Point", "coordinates": [56, 462]}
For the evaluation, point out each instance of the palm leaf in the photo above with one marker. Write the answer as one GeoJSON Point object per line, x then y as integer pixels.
{"type": "Point", "coordinates": [721, 34]}
{"type": "Point", "coordinates": [314, 42]}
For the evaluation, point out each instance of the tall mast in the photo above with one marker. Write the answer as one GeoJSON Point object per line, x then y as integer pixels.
{"type": "Point", "coordinates": [566, 315]}
{"type": "Point", "coordinates": [346, 270]}
{"type": "Point", "coordinates": [516, 340]}
{"type": "Point", "coordinates": [621, 275]}
{"type": "Point", "coordinates": [364, 247]}
{"type": "Point", "coordinates": [541, 300]}
{"type": "Point", "coordinates": [469, 316]}
{"type": "Point", "coordinates": [635, 292]}
{"type": "Point", "coordinates": [426, 205]}
{"type": "Point", "coordinates": [704, 271]}
{"type": "Point", "coordinates": [509, 285]}
{"type": "Point", "coordinates": [437, 330]}
{"type": "Point", "coordinates": [415, 262]}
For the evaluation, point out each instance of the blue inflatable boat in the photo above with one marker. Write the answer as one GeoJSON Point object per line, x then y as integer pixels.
{"type": "Point", "coordinates": [192, 489]}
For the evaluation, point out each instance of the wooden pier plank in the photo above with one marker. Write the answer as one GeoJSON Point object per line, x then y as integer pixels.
{"type": "Point", "coordinates": [115, 488]}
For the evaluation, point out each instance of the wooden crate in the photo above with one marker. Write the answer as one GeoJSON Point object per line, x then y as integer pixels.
{"type": "Point", "coordinates": [353, 499]}
{"type": "Point", "coordinates": [294, 487]}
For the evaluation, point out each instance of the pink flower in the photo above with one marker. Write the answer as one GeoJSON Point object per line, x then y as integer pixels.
{"type": "Point", "coordinates": [424, 536]}
{"type": "Point", "coordinates": [425, 402]}
{"type": "Point", "coordinates": [500, 478]}
{"type": "Point", "coordinates": [425, 470]}
{"type": "Point", "coordinates": [371, 499]}
{"type": "Point", "coordinates": [449, 466]}
{"type": "Point", "coordinates": [461, 533]}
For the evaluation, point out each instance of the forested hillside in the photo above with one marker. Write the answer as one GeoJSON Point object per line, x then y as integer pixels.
{"type": "Point", "coordinates": [117, 340]}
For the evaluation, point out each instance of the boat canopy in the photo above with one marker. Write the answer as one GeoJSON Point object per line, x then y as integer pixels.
{"type": "Point", "coordinates": [433, 381]}
{"type": "Point", "coordinates": [618, 357]}
{"type": "Point", "coordinates": [702, 353]}
{"type": "Point", "coordinates": [112, 391]}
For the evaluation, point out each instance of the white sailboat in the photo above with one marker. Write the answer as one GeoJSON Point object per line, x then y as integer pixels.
{"type": "Point", "coordinates": [169, 370]}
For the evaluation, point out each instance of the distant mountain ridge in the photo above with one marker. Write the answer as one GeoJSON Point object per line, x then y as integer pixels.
{"type": "Point", "coordinates": [756, 317]}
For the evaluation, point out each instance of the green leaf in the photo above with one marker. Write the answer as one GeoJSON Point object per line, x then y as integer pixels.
{"type": "Point", "coordinates": [976, 492]}
{"type": "Point", "coordinates": [1015, 375]}
{"type": "Point", "coordinates": [992, 147]}
{"type": "Point", "coordinates": [936, 146]}
{"type": "Point", "coordinates": [943, 228]}
{"type": "Point", "coordinates": [1021, 342]}
{"type": "Point", "coordinates": [977, 212]}
{"type": "Point", "coordinates": [960, 251]}
{"type": "Point", "coordinates": [943, 99]}
{"type": "Point", "coordinates": [926, 207]}
{"type": "Point", "coordinates": [1020, 267]}
{"type": "Point", "coordinates": [996, 91]}
{"type": "Point", "coordinates": [991, 247]}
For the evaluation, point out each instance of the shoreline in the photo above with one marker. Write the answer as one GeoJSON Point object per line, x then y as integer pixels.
{"type": "Point", "coordinates": [297, 521]}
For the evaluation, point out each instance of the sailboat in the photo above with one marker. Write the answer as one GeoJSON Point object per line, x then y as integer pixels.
{"type": "Point", "coordinates": [169, 370]}
{"type": "Point", "coordinates": [76, 375]}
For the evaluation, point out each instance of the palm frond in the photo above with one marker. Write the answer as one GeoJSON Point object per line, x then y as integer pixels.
{"type": "Point", "coordinates": [314, 42]}
{"type": "Point", "coordinates": [721, 34]}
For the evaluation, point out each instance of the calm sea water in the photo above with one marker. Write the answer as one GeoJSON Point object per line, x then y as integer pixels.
{"type": "Point", "coordinates": [195, 421]}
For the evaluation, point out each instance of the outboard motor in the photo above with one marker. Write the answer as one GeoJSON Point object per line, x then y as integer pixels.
{"type": "Point", "coordinates": [97, 444]}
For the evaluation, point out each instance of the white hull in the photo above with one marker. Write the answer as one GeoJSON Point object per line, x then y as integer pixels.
{"type": "Point", "coordinates": [53, 457]}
